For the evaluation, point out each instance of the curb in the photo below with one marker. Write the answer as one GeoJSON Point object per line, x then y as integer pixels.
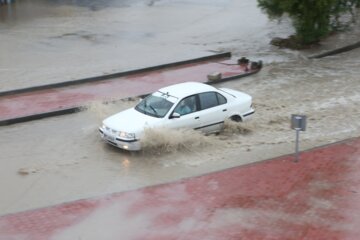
{"type": "Point", "coordinates": [233, 77]}
{"type": "Point", "coordinates": [337, 51]}
{"type": "Point", "coordinates": [113, 75]}
{"type": "Point", "coordinates": [61, 112]}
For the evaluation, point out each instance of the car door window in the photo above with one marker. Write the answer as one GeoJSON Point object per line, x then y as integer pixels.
{"type": "Point", "coordinates": [221, 99]}
{"type": "Point", "coordinates": [186, 106]}
{"type": "Point", "coordinates": [208, 100]}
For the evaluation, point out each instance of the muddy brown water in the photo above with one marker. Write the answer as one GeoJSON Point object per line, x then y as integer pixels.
{"type": "Point", "coordinates": [61, 159]}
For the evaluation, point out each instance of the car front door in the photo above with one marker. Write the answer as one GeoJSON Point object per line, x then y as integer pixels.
{"type": "Point", "coordinates": [186, 114]}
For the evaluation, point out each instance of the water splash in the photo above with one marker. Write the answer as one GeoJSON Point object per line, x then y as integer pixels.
{"type": "Point", "coordinates": [236, 128]}
{"type": "Point", "coordinates": [163, 140]}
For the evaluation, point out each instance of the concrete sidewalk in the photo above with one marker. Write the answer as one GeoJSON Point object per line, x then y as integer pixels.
{"type": "Point", "coordinates": [316, 198]}
{"type": "Point", "coordinates": [30, 105]}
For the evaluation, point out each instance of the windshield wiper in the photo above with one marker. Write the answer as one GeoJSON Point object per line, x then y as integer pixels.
{"type": "Point", "coordinates": [145, 105]}
{"type": "Point", "coordinates": [152, 108]}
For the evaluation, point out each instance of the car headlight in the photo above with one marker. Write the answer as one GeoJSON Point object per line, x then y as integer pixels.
{"type": "Point", "coordinates": [127, 136]}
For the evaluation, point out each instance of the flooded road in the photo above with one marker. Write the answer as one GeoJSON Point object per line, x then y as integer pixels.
{"type": "Point", "coordinates": [61, 159]}
{"type": "Point", "coordinates": [45, 42]}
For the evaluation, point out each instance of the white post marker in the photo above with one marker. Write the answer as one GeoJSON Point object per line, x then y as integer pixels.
{"type": "Point", "coordinates": [298, 123]}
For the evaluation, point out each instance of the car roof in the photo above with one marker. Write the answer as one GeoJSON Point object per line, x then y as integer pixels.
{"type": "Point", "coordinates": [181, 90]}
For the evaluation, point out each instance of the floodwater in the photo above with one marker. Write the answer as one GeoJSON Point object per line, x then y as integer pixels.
{"type": "Point", "coordinates": [74, 39]}
{"type": "Point", "coordinates": [53, 41]}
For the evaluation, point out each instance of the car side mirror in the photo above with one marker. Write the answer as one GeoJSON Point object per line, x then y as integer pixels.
{"type": "Point", "coordinates": [175, 115]}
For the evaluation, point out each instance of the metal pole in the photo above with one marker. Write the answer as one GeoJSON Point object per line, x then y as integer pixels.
{"type": "Point", "coordinates": [297, 145]}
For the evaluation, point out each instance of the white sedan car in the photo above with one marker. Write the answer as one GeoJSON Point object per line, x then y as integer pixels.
{"type": "Point", "coordinates": [185, 105]}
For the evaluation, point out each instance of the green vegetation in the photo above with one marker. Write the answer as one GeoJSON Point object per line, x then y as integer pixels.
{"type": "Point", "coordinates": [313, 19]}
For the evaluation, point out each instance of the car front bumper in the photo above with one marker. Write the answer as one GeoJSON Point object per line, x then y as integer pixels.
{"type": "Point", "coordinates": [130, 145]}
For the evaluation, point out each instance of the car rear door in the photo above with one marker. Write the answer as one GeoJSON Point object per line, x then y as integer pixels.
{"type": "Point", "coordinates": [212, 112]}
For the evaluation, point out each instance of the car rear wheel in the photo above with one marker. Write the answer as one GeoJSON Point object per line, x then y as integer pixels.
{"type": "Point", "coordinates": [236, 118]}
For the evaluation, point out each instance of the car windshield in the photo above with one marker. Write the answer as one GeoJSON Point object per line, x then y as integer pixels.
{"type": "Point", "coordinates": [153, 105]}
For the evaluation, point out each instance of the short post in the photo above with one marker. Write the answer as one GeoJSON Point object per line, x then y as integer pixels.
{"type": "Point", "coordinates": [298, 123]}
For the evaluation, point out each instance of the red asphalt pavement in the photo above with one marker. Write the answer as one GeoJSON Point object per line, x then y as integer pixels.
{"type": "Point", "coordinates": [43, 101]}
{"type": "Point", "coordinates": [316, 198]}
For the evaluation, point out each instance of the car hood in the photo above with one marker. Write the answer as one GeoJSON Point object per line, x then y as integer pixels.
{"type": "Point", "coordinates": [130, 121]}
